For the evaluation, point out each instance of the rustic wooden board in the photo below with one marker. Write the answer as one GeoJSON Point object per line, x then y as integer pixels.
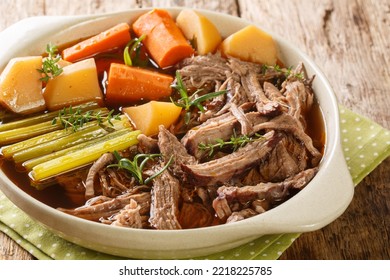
{"type": "Point", "coordinates": [349, 40]}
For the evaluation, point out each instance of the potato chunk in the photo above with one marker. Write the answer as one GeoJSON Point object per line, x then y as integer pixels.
{"type": "Point", "coordinates": [21, 87]}
{"type": "Point", "coordinates": [251, 44]}
{"type": "Point", "coordinates": [78, 83]}
{"type": "Point", "coordinates": [199, 28]}
{"type": "Point", "coordinates": [149, 116]}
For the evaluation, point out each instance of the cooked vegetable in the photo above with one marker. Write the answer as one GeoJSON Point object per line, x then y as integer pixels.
{"type": "Point", "coordinates": [42, 118]}
{"type": "Point", "coordinates": [133, 49]}
{"type": "Point", "coordinates": [115, 37]}
{"type": "Point", "coordinates": [29, 164]}
{"type": "Point", "coordinates": [164, 40]}
{"type": "Point", "coordinates": [93, 131]}
{"type": "Point", "coordinates": [81, 157]}
{"type": "Point", "coordinates": [148, 117]}
{"type": "Point", "coordinates": [20, 85]}
{"type": "Point", "coordinates": [200, 30]}
{"type": "Point", "coordinates": [251, 44]}
{"type": "Point", "coordinates": [76, 118]}
{"type": "Point", "coordinates": [131, 84]}
{"type": "Point", "coordinates": [77, 84]}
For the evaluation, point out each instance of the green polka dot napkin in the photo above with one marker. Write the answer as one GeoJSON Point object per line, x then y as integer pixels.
{"type": "Point", "coordinates": [365, 143]}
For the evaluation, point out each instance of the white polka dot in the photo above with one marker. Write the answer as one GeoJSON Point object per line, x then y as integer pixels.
{"type": "Point", "coordinates": [344, 131]}
{"type": "Point", "coordinates": [53, 255]}
{"type": "Point", "coordinates": [13, 215]}
{"type": "Point", "coordinates": [342, 111]}
{"type": "Point", "coordinates": [6, 230]}
{"type": "Point", "coordinates": [347, 158]}
{"type": "Point", "coordinates": [357, 119]}
{"type": "Point", "coordinates": [18, 241]}
{"type": "Point", "coordinates": [83, 253]}
{"type": "Point", "coordinates": [12, 225]}
{"type": "Point", "coordinates": [236, 254]}
{"type": "Point", "coordinates": [372, 127]}
{"type": "Point", "coordinates": [31, 251]}
{"type": "Point", "coordinates": [387, 133]}
{"type": "Point", "coordinates": [279, 253]}
{"type": "Point", "coordinates": [349, 167]}
{"type": "Point", "coordinates": [252, 253]}
{"type": "Point", "coordinates": [292, 239]}
{"type": "Point", "coordinates": [376, 154]}
{"type": "Point", "coordinates": [359, 138]}
{"type": "Point", "coordinates": [40, 234]}
{"type": "Point", "coordinates": [346, 149]}
{"type": "Point", "coordinates": [359, 147]}
{"type": "Point", "coordinates": [374, 144]}
{"type": "Point", "coordinates": [361, 156]}
{"type": "Point", "coordinates": [345, 139]}
{"type": "Point", "coordinates": [358, 129]}
{"type": "Point", "coordinates": [39, 245]}
{"type": "Point", "coordinates": [343, 121]}
{"type": "Point", "coordinates": [67, 255]}
{"type": "Point", "coordinates": [264, 255]}
{"type": "Point", "coordinates": [388, 142]}
{"type": "Point", "coordinates": [221, 257]}
{"type": "Point", "coordinates": [25, 236]}
{"type": "Point", "coordinates": [267, 241]}
{"type": "Point", "coordinates": [54, 245]}
{"type": "Point", "coordinates": [27, 225]}
{"type": "Point", "coordinates": [1, 206]}
{"type": "Point", "coordinates": [252, 243]}
{"type": "Point", "coordinates": [362, 165]}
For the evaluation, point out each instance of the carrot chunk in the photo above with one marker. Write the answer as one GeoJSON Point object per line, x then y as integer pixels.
{"type": "Point", "coordinates": [164, 41]}
{"type": "Point", "coordinates": [128, 84]}
{"type": "Point", "coordinates": [115, 37]}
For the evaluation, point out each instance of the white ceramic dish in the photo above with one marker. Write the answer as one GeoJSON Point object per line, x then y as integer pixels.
{"type": "Point", "coordinates": [321, 202]}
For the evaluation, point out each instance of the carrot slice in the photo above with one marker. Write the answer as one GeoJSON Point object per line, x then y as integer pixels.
{"type": "Point", "coordinates": [115, 37]}
{"type": "Point", "coordinates": [128, 84]}
{"type": "Point", "coordinates": [164, 41]}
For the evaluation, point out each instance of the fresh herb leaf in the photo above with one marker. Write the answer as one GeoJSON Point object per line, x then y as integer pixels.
{"type": "Point", "coordinates": [136, 166]}
{"type": "Point", "coordinates": [286, 71]}
{"type": "Point", "coordinates": [76, 118]}
{"type": "Point", "coordinates": [187, 102]}
{"type": "Point", "coordinates": [133, 46]}
{"type": "Point", "coordinates": [234, 143]}
{"type": "Point", "coordinates": [50, 67]}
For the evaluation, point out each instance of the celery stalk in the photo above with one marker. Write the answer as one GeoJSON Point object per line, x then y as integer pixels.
{"type": "Point", "coordinates": [81, 157]}
{"type": "Point", "coordinates": [43, 117]}
{"type": "Point", "coordinates": [29, 164]}
{"type": "Point", "coordinates": [93, 132]}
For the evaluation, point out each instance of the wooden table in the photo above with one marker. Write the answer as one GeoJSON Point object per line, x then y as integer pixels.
{"type": "Point", "coordinates": [350, 41]}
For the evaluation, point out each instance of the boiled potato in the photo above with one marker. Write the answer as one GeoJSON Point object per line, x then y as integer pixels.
{"type": "Point", "coordinates": [78, 83]}
{"type": "Point", "coordinates": [149, 116]}
{"type": "Point", "coordinates": [197, 27]}
{"type": "Point", "coordinates": [21, 87]}
{"type": "Point", "coordinates": [251, 44]}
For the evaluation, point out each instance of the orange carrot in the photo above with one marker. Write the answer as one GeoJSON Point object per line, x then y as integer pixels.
{"type": "Point", "coordinates": [164, 41]}
{"type": "Point", "coordinates": [115, 37]}
{"type": "Point", "coordinates": [127, 84]}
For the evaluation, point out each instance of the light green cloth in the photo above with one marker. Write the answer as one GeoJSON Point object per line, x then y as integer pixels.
{"type": "Point", "coordinates": [365, 143]}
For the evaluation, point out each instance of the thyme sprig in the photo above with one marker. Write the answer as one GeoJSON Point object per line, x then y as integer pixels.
{"type": "Point", "coordinates": [137, 165]}
{"type": "Point", "coordinates": [50, 67]}
{"type": "Point", "coordinates": [286, 71]}
{"type": "Point", "coordinates": [76, 118]}
{"type": "Point", "coordinates": [187, 102]}
{"type": "Point", "coordinates": [235, 142]}
{"type": "Point", "coordinates": [134, 46]}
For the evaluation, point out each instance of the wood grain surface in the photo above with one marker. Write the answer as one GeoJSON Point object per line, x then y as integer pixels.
{"type": "Point", "coordinates": [350, 41]}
